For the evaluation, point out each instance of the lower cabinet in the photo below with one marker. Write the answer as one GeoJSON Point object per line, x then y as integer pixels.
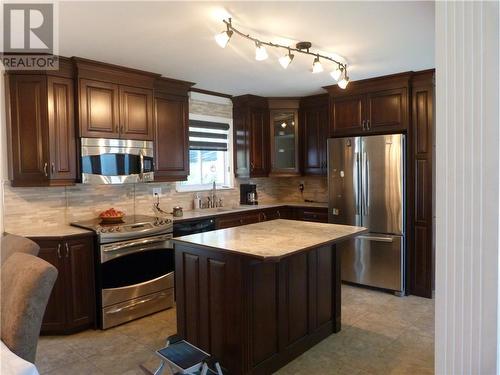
{"type": "Point", "coordinates": [71, 305]}
{"type": "Point", "coordinates": [317, 214]}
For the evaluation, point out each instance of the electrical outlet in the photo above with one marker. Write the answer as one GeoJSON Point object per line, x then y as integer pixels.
{"type": "Point", "coordinates": [157, 191]}
{"type": "Point", "coordinates": [301, 187]}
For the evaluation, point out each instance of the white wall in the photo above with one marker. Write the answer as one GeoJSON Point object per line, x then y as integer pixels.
{"type": "Point", "coordinates": [467, 202]}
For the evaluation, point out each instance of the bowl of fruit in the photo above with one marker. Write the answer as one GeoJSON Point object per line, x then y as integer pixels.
{"type": "Point", "coordinates": [111, 216]}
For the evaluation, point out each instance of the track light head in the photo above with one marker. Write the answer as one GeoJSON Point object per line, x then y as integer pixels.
{"type": "Point", "coordinates": [317, 67]}
{"type": "Point", "coordinates": [344, 81]}
{"type": "Point", "coordinates": [223, 38]}
{"type": "Point", "coordinates": [286, 60]}
{"type": "Point", "coordinates": [260, 52]}
{"type": "Point", "coordinates": [336, 73]}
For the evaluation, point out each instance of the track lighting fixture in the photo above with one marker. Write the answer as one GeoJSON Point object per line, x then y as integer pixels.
{"type": "Point", "coordinates": [317, 67]}
{"type": "Point", "coordinates": [340, 70]}
{"type": "Point", "coordinates": [286, 60]}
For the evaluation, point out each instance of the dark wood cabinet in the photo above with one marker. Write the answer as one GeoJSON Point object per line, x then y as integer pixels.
{"type": "Point", "coordinates": [171, 130]}
{"type": "Point", "coordinates": [99, 109]}
{"type": "Point", "coordinates": [114, 101]}
{"type": "Point", "coordinates": [421, 251]}
{"type": "Point", "coordinates": [71, 305]}
{"type": "Point", "coordinates": [62, 138]}
{"type": "Point", "coordinates": [136, 115]}
{"type": "Point", "coordinates": [235, 220]}
{"type": "Point", "coordinates": [372, 106]}
{"type": "Point", "coordinates": [251, 136]}
{"type": "Point", "coordinates": [42, 144]}
{"type": "Point", "coordinates": [256, 315]}
{"type": "Point", "coordinates": [314, 126]}
{"type": "Point", "coordinates": [348, 114]}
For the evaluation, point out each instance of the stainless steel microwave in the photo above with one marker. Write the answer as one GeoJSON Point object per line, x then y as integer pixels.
{"type": "Point", "coordinates": [116, 161]}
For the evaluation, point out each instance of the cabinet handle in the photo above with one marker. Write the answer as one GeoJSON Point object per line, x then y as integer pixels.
{"type": "Point", "coordinates": [279, 214]}
{"type": "Point", "coordinates": [264, 217]}
{"type": "Point", "coordinates": [59, 250]}
{"type": "Point", "coordinates": [363, 123]}
{"type": "Point", "coordinates": [251, 166]}
{"type": "Point", "coordinates": [367, 124]}
{"type": "Point", "coordinates": [52, 168]}
{"type": "Point", "coordinates": [45, 169]}
{"type": "Point", "coordinates": [67, 250]}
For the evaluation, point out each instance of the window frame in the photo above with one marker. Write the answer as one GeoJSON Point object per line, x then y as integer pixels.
{"type": "Point", "coordinates": [180, 187]}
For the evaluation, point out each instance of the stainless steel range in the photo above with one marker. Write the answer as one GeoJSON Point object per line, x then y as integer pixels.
{"type": "Point", "coordinates": [135, 268]}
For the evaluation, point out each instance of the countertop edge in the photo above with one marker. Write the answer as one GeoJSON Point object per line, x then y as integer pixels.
{"type": "Point", "coordinates": [269, 258]}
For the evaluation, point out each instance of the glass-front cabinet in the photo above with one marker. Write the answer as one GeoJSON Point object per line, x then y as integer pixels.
{"type": "Point", "coordinates": [284, 142]}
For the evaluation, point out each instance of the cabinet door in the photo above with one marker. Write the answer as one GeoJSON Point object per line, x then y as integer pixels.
{"type": "Point", "coordinates": [241, 143]}
{"type": "Point", "coordinates": [61, 129]}
{"type": "Point", "coordinates": [136, 116]}
{"type": "Point", "coordinates": [315, 132]}
{"type": "Point", "coordinates": [348, 114]}
{"type": "Point", "coordinates": [259, 142]}
{"type": "Point", "coordinates": [236, 220]}
{"type": "Point", "coordinates": [29, 137]}
{"type": "Point", "coordinates": [171, 138]}
{"type": "Point", "coordinates": [387, 110]}
{"type": "Point", "coordinates": [99, 109]}
{"type": "Point", "coordinates": [80, 294]}
{"type": "Point", "coordinates": [54, 319]}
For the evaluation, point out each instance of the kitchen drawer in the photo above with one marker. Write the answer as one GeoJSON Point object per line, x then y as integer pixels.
{"type": "Point", "coordinates": [235, 220]}
{"type": "Point", "coordinates": [316, 214]}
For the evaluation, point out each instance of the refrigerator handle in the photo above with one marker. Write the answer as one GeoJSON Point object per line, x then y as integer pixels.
{"type": "Point", "coordinates": [358, 185]}
{"type": "Point", "coordinates": [364, 183]}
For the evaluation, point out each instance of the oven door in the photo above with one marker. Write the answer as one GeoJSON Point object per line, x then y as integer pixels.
{"type": "Point", "coordinates": [135, 268]}
{"type": "Point", "coordinates": [116, 161]}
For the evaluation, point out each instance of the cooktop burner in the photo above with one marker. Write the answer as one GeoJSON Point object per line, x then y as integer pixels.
{"type": "Point", "coordinates": [134, 226]}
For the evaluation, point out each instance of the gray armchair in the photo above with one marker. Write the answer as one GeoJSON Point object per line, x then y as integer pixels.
{"type": "Point", "coordinates": [26, 284]}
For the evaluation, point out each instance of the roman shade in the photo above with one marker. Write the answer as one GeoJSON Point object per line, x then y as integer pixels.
{"type": "Point", "coordinates": [208, 136]}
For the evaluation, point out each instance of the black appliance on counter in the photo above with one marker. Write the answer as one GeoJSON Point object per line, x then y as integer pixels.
{"type": "Point", "coordinates": [248, 194]}
{"type": "Point", "coordinates": [135, 268]}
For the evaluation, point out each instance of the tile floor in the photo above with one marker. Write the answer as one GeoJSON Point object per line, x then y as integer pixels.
{"type": "Point", "coordinates": [381, 334]}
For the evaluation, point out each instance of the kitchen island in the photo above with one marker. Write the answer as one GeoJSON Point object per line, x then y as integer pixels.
{"type": "Point", "coordinates": [259, 295]}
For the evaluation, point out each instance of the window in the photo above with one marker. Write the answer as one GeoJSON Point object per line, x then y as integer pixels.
{"type": "Point", "coordinates": [209, 155]}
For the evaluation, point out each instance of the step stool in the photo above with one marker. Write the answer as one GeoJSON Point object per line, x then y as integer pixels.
{"type": "Point", "coordinates": [181, 357]}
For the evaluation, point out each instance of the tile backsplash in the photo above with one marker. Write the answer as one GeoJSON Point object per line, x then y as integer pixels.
{"type": "Point", "coordinates": [53, 206]}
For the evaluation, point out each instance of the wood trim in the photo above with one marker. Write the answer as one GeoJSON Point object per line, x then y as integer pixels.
{"type": "Point", "coordinates": [208, 92]}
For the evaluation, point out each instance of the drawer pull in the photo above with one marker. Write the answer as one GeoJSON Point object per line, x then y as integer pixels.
{"type": "Point", "coordinates": [136, 304]}
{"type": "Point", "coordinates": [375, 238]}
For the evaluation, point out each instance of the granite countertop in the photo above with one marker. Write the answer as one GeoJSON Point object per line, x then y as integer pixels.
{"type": "Point", "coordinates": [69, 230]}
{"type": "Point", "coordinates": [211, 212]}
{"type": "Point", "coordinates": [50, 231]}
{"type": "Point", "coordinates": [272, 240]}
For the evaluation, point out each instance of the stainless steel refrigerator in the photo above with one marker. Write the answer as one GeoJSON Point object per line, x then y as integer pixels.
{"type": "Point", "coordinates": [366, 183]}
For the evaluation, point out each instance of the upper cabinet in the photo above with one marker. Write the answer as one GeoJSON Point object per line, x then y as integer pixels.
{"type": "Point", "coordinates": [251, 136]}
{"type": "Point", "coordinates": [114, 102]}
{"type": "Point", "coordinates": [171, 127]}
{"type": "Point", "coordinates": [41, 128]}
{"type": "Point", "coordinates": [378, 105]}
{"type": "Point", "coordinates": [284, 136]}
{"type": "Point", "coordinates": [314, 126]}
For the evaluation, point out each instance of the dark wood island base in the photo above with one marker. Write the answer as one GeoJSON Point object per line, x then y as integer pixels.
{"type": "Point", "coordinates": [256, 315]}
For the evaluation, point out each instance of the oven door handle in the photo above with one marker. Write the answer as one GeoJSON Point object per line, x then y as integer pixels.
{"type": "Point", "coordinates": [141, 173]}
{"type": "Point", "coordinates": [136, 243]}
{"type": "Point", "coordinates": [136, 304]}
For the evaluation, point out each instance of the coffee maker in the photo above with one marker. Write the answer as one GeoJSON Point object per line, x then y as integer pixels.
{"type": "Point", "coordinates": [248, 194]}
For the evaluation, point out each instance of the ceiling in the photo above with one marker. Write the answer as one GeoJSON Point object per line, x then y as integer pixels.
{"type": "Point", "coordinates": [176, 39]}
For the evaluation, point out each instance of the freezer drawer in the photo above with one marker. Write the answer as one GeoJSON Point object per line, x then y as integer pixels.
{"type": "Point", "coordinates": [375, 260]}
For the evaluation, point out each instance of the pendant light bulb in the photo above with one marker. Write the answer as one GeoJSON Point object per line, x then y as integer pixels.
{"type": "Point", "coordinates": [286, 60]}
{"type": "Point", "coordinates": [317, 67]}
{"type": "Point", "coordinates": [336, 73]}
{"type": "Point", "coordinates": [223, 38]}
{"type": "Point", "coordinates": [344, 80]}
{"type": "Point", "coordinates": [260, 52]}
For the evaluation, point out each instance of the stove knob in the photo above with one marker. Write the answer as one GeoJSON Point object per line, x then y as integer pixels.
{"type": "Point", "coordinates": [111, 229]}
{"type": "Point", "coordinates": [103, 230]}
{"type": "Point", "coordinates": [118, 229]}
